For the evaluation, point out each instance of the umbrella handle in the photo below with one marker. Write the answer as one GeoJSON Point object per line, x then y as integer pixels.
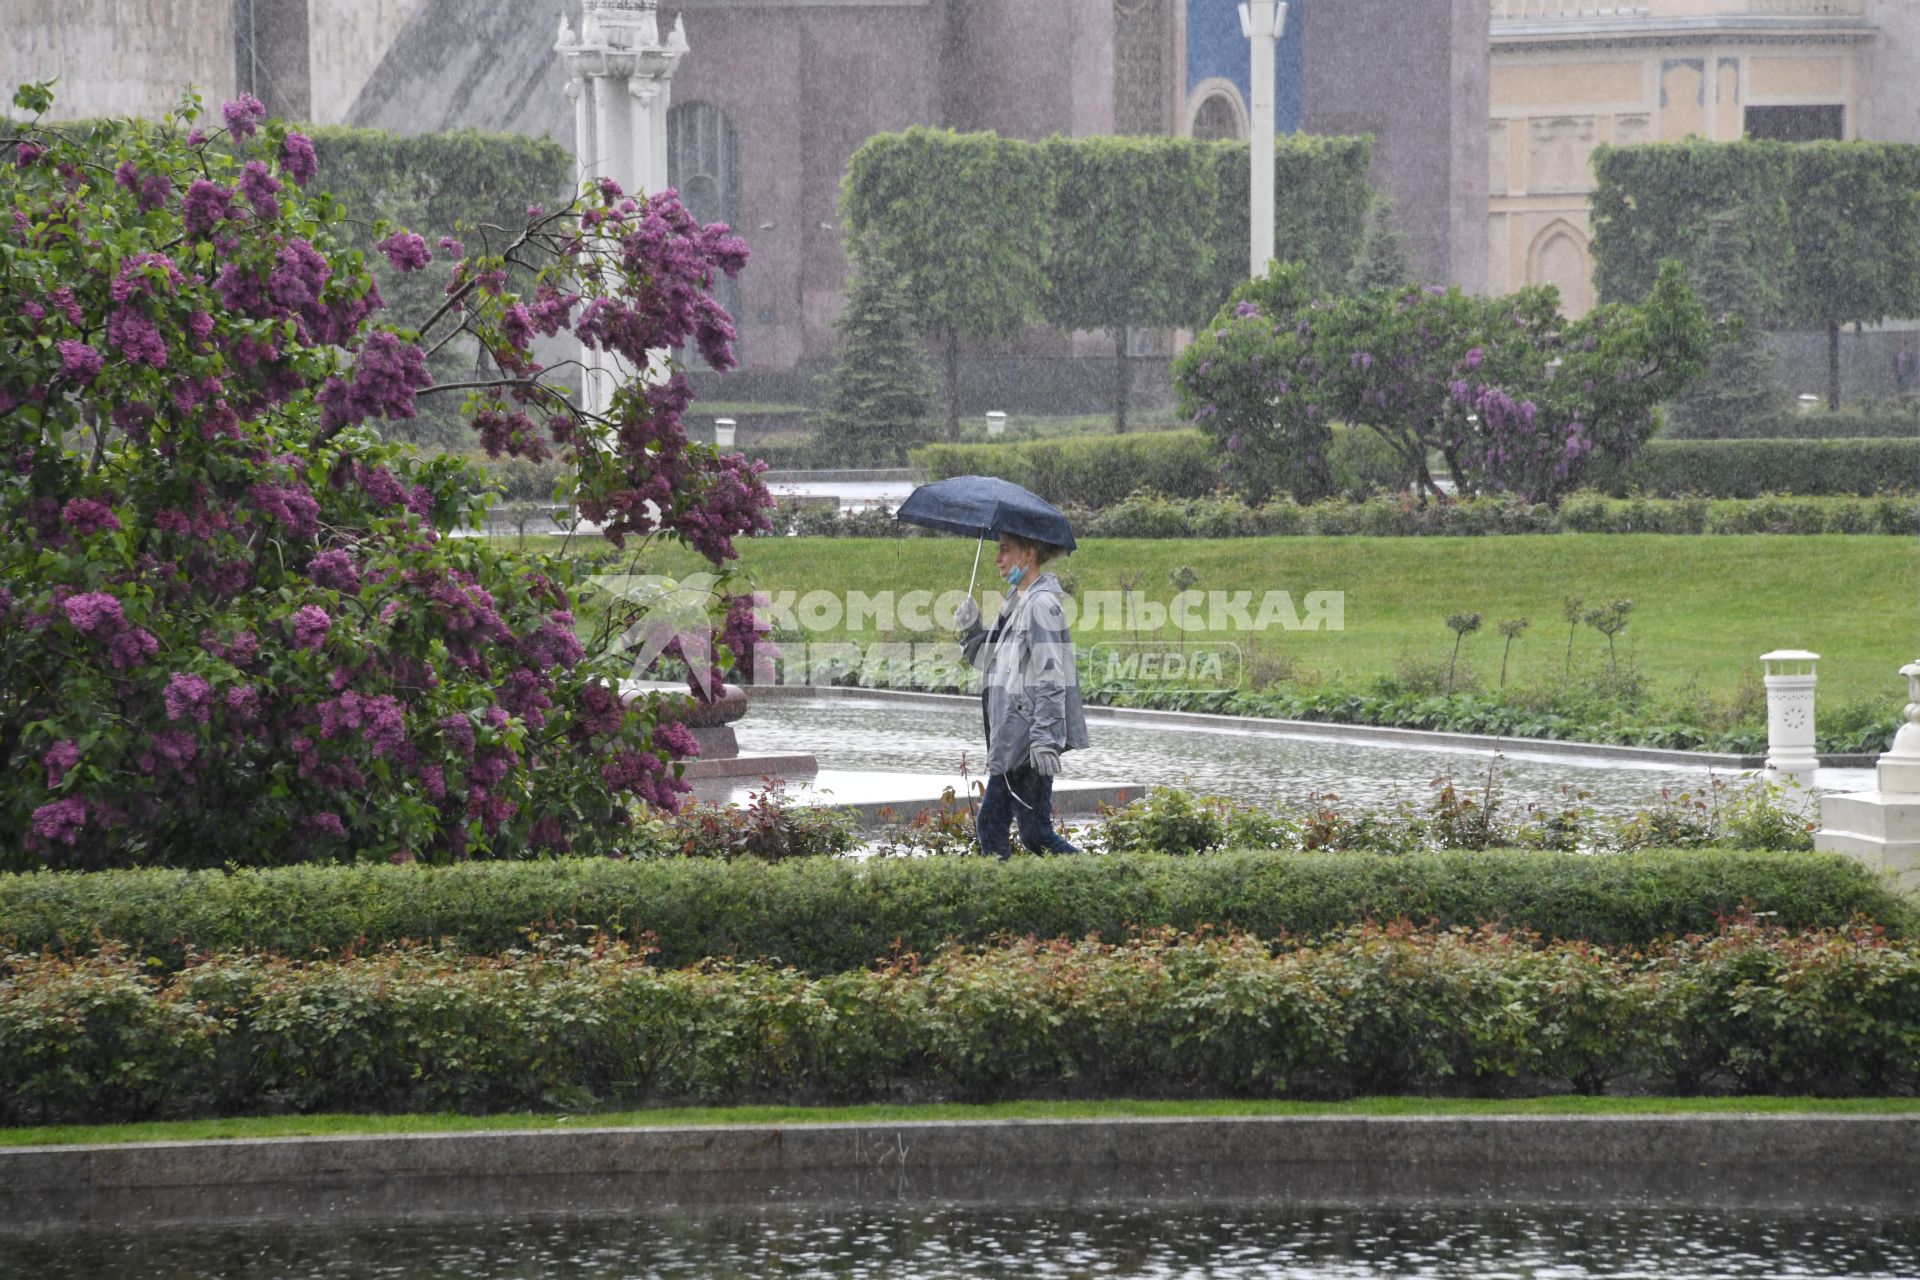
{"type": "Point", "coordinates": [978, 547]}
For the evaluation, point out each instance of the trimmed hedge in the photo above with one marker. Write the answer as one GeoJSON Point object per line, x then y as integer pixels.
{"type": "Point", "coordinates": [1104, 471]}
{"type": "Point", "coordinates": [828, 915]}
{"type": "Point", "coordinates": [1086, 471]}
{"type": "Point", "coordinates": [1747, 468]}
{"type": "Point", "coordinates": [1146, 515]}
{"type": "Point", "coordinates": [1848, 424]}
{"type": "Point", "coordinates": [1369, 1010]}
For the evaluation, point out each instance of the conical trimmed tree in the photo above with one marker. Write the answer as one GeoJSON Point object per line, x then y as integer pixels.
{"type": "Point", "coordinates": [1742, 297]}
{"type": "Point", "coordinates": [1384, 261]}
{"type": "Point", "coordinates": [879, 397]}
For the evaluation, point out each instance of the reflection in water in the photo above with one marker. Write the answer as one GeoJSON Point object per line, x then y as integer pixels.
{"type": "Point", "coordinates": [899, 737]}
{"type": "Point", "coordinates": [909, 1242]}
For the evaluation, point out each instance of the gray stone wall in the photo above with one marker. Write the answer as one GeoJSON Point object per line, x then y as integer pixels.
{"type": "Point", "coordinates": [118, 57]}
{"type": "Point", "coordinates": [804, 85]}
{"type": "Point", "coordinates": [346, 40]}
{"type": "Point", "coordinates": [1415, 76]}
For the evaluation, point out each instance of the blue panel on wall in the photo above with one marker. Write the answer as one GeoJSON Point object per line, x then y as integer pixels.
{"type": "Point", "coordinates": [1217, 50]}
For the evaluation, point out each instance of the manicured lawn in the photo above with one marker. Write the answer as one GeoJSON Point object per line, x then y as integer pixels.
{"type": "Point", "coordinates": [1705, 608]}
{"type": "Point", "coordinates": [336, 1125]}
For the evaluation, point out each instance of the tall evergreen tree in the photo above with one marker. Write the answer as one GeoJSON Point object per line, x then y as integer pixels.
{"type": "Point", "coordinates": [1385, 261]}
{"type": "Point", "coordinates": [880, 393]}
{"type": "Point", "coordinates": [1743, 298]}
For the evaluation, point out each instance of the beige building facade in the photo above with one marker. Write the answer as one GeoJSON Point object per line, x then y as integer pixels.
{"type": "Point", "coordinates": [1568, 76]}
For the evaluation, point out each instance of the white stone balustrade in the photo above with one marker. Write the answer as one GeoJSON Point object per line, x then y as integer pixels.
{"type": "Point", "coordinates": [1882, 827]}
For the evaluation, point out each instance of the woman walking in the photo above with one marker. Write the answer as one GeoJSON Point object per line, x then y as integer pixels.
{"type": "Point", "coordinates": [1029, 699]}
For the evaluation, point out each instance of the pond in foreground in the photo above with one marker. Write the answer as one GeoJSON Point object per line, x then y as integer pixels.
{"type": "Point", "coordinates": [925, 1242]}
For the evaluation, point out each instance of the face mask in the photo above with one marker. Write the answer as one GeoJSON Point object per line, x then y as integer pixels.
{"type": "Point", "coordinates": [1014, 575]}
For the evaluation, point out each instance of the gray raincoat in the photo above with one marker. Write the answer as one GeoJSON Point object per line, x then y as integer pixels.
{"type": "Point", "coordinates": [1030, 687]}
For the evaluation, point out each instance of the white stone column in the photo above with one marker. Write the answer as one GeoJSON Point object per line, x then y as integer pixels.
{"type": "Point", "coordinates": [619, 70]}
{"type": "Point", "coordinates": [582, 127]}
{"type": "Point", "coordinates": [613, 131]}
{"type": "Point", "coordinates": [643, 154]}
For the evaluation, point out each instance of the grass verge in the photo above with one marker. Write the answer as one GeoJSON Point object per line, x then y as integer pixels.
{"type": "Point", "coordinates": [1705, 607]}
{"type": "Point", "coordinates": [338, 1125]}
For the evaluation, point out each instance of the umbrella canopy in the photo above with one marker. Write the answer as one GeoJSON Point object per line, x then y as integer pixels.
{"type": "Point", "coordinates": [981, 507]}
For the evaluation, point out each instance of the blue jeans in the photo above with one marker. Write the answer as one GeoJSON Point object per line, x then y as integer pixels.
{"type": "Point", "coordinates": [1026, 796]}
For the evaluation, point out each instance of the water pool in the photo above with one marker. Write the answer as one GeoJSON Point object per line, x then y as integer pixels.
{"type": "Point", "coordinates": [1249, 763]}
{"type": "Point", "coordinates": [934, 1242]}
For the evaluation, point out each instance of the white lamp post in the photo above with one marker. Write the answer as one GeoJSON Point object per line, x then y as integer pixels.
{"type": "Point", "coordinates": [1262, 22]}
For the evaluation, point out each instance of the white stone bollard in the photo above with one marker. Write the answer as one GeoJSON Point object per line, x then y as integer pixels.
{"type": "Point", "coordinates": [1881, 828]}
{"type": "Point", "coordinates": [996, 423]}
{"type": "Point", "coordinates": [723, 432]}
{"type": "Point", "coordinates": [1790, 680]}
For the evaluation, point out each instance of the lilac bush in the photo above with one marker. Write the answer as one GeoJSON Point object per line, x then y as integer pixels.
{"type": "Point", "coordinates": [1515, 397]}
{"type": "Point", "coordinates": [235, 625]}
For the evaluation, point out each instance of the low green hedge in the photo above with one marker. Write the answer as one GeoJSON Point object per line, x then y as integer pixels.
{"type": "Point", "coordinates": [1861, 728]}
{"type": "Point", "coordinates": [1086, 471]}
{"type": "Point", "coordinates": [1145, 515]}
{"type": "Point", "coordinates": [1746, 468]}
{"type": "Point", "coordinates": [1848, 424]}
{"type": "Point", "coordinates": [1153, 516]}
{"type": "Point", "coordinates": [827, 915]}
{"type": "Point", "coordinates": [1100, 472]}
{"type": "Point", "coordinates": [1368, 1010]}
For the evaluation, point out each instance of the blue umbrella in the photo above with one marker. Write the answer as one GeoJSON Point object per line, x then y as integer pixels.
{"type": "Point", "coordinates": [984, 507]}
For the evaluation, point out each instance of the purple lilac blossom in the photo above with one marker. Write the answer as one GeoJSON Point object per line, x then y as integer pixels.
{"type": "Point", "coordinates": [406, 250]}
{"type": "Point", "coordinates": [310, 627]}
{"type": "Point", "coordinates": [188, 695]}
{"type": "Point", "coordinates": [60, 821]}
{"type": "Point", "coordinates": [335, 571]}
{"type": "Point", "coordinates": [244, 115]}
{"type": "Point", "coordinates": [136, 337]}
{"type": "Point", "coordinates": [58, 759]}
{"type": "Point", "coordinates": [260, 188]}
{"type": "Point", "coordinates": [207, 205]}
{"type": "Point", "coordinates": [297, 160]}
{"type": "Point", "coordinates": [94, 611]}
{"type": "Point", "coordinates": [79, 362]}
{"type": "Point", "coordinates": [86, 516]}
{"type": "Point", "coordinates": [131, 648]}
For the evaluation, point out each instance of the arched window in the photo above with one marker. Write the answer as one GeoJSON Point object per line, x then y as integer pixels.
{"type": "Point", "coordinates": [1560, 258]}
{"type": "Point", "coordinates": [703, 165]}
{"type": "Point", "coordinates": [1218, 119]}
